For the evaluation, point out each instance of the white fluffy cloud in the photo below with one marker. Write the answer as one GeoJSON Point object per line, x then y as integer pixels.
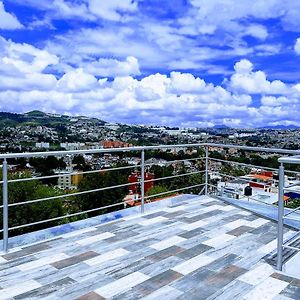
{"type": "Point", "coordinates": [22, 67]}
{"type": "Point", "coordinates": [247, 81]}
{"type": "Point", "coordinates": [278, 101]}
{"type": "Point", "coordinates": [186, 83]}
{"type": "Point", "coordinates": [27, 58]}
{"type": "Point", "coordinates": [112, 9]}
{"type": "Point", "coordinates": [229, 13]}
{"type": "Point", "coordinates": [67, 9]}
{"type": "Point", "coordinates": [179, 98]}
{"type": "Point", "coordinates": [7, 20]}
{"type": "Point", "coordinates": [91, 10]}
{"type": "Point", "coordinates": [108, 67]}
{"type": "Point", "coordinates": [77, 81]}
{"type": "Point", "coordinates": [257, 31]}
{"type": "Point", "coordinates": [27, 82]}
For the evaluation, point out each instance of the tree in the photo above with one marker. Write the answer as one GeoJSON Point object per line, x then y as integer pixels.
{"type": "Point", "coordinates": [102, 198]}
{"type": "Point", "coordinates": [162, 171]}
{"type": "Point", "coordinates": [80, 163]}
{"type": "Point", "coordinates": [234, 171]}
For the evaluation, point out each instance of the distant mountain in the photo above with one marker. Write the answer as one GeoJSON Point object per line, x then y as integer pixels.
{"type": "Point", "coordinates": [221, 126]}
{"type": "Point", "coordinates": [35, 113]}
{"type": "Point", "coordinates": [281, 127]}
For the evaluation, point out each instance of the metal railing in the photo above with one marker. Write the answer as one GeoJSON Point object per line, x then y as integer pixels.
{"type": "Point", "coordinates": [140, 151]}
{"type": "Point", "coordinates": [206, 185]}
{"type": "Point", "coordinates": [282, 215]}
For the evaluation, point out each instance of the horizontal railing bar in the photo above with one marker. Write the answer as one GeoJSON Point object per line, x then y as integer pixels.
{"type": "Point", "coordinates": [292, 211]}
{"type": "Point", "coordinates": [293, 239]}
{"type": "Point", "coordinates": [73, 194]}
{"type": "Point", "coordinates": [97, 151]}
{"type": "Point", "coordinates": [257, 149]}
{"type": "Point", "coordinates": [93, 171]}
{"type": "Point", "coordinates": [139, 199]}
{"type": "Point", "coordinates": [67, 216]}
{"type": "Point", "coordinates": [291, 190]}
{"type": "Point", "coordinates": [96, 209]}
{"type": "Point", "coordinates": [291, 185]}
{"type": "Point", "coordinates": [168, 162]}
{"type": "Point", "coordinates": [140, 148]}
{"type": "Point", "coordinates": [72, 173]}
{"type": "Point", "coordinates": [250, 165]}
{"type": "Point", "coordinates": [174, 176]}
{"type": "Point", "coordinates": [212, 185]}
{"type": "Point", "coordinates": [177, 190]}
{"type": "Point", "coordinates": [291, 247]}
{"type": "Point", "coordinates": [289, 160]}
{"type": "Point", "coordinates": [242, 164]}
{"type": "Point", "coordinates": [96, 190]}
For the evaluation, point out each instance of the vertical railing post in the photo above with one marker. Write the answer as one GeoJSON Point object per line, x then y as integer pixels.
{"type": "Point", "coordinates": [280, 217]}
{"type": "Point", "coordinates": [142, 181]}
{"type": "Point", "coordinates": [5, 206]}
{"type": "Point", "coordinates": [206, 170]}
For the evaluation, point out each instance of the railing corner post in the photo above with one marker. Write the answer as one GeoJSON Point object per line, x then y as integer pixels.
{"type": "Point", "coordinates": [142, 182]}
{"type": "Point", "coordinates": [280, 217]}
{"type": "Point", "coordinates": [5, 205]}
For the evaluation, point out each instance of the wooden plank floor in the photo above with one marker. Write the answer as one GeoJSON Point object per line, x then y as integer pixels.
{"type": "Point", "coordinates": [199, 249]}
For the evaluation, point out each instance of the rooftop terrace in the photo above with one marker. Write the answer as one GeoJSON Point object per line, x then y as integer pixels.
{"type": "Point", "coordinates": [198, 248]}
{"type": "Point", "coordinates": [203, 245]}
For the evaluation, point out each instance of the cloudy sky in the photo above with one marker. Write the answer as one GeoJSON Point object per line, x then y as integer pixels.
{"type": "Point", "coordinates": [190, 63]}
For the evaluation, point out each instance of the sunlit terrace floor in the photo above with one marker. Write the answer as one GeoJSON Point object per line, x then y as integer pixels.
{"type": "Point", "coordinates": [201, 248]}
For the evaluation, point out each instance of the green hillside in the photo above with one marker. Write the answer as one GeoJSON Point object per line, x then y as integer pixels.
{"type": "Point", "coordinates": [38, 118]}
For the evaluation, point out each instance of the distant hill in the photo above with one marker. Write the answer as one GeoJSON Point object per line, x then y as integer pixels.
{"type": "Point", "coordinates": [11, 119]}
{"type": "Point", "coordinates": [38, 118]}
{"type": "Point", "coordinates": [281, 127]}
{"type": "Point", "coordinates": [35, 113]}
{"type": "Point", "coordinates": [221, 126]}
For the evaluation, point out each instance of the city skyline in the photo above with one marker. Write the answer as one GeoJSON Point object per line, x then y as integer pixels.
{"type": "Point", "coordinates": [181, 63]}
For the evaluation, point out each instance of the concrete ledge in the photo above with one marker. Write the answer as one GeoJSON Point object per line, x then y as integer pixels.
{"type": "Point", "coordinates": [52, 232]}
{"type": "Point", "coordinates": [264, 210]}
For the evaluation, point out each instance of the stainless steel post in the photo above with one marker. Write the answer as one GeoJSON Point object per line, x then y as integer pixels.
{"type": "Point", "coordinates": [5, 206]}
{"type": "Point", "coordinates": [280, 217]}
{"type": "Point", "coordinates": [206, 170]}
{"type": "Point", "coordinates": [142, 182]}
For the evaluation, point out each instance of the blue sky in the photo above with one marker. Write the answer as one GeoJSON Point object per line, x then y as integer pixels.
{"type": "Point", "coordinates": [189, 63]}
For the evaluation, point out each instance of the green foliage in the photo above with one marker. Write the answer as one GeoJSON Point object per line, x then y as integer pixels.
{"type": "Point", "coordinates": [216, 154]}
{"type": "Point", "coordinates": [163, 171]}
{"type": "Point", "coordinates": [44, 165]}
{"type": "Point", "coordinates": [80, 163]}
{"type": "Point", "coordinates": [271, 162]}
{"type": "Point", "coordinates": [102, 198]}
{"type": "Point", "coordinates": [177, 182]}
{"type": "Point", "coordinates": [167, 155]}
{"type": "Point", "coordinates": [293, 203]}
{"type": "Point", "coordinates": [186, 181]}
{"type": "Point", "coordinates": [234, 171]}
{"type": "Point", "coordinates": [158, 189]}
{"type": "Point", "coordinates": [29, 213]}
